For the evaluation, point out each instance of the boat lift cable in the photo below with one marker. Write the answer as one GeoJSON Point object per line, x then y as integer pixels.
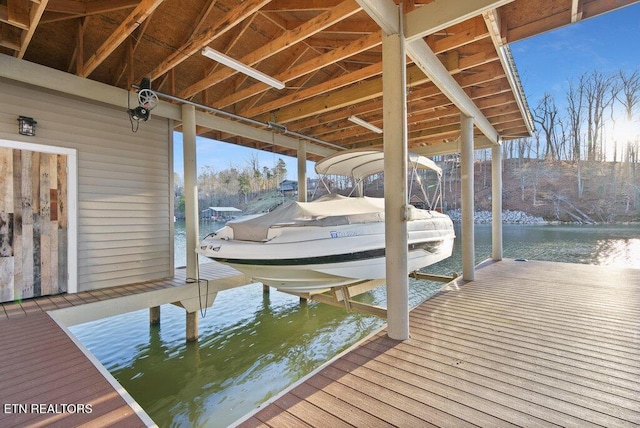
{"type": "Point", "coordinates": [198, 280]}
{"type": "Point", "coordinates": [269, 125]}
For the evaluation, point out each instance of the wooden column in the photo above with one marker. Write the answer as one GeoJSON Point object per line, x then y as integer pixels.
{"type": "Point", "coordinates": [190, 187]}
{"type": "Point", "coordinates": [394, 102]}
{"type": "Point", "coordinates": [466, 168]}
{"type": "Point", "coordinates": [192, 326]}
{"type": "Point", "coordinates": [302, 171]}
{"type": "Point", "coordinates": [496, 202]}
{"type": "Point", "coordinates": [154, 315]}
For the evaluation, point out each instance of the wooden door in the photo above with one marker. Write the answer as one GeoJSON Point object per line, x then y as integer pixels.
{"type": "Point", "coordinates": [33, 224]}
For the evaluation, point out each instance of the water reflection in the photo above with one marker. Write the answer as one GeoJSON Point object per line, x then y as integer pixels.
{"type": "Point", "coordinates": [618, 252]}
{"type": "Point", "coordinates": [254, 345]}
{"type": "Point", "coordinates": [236, 365]}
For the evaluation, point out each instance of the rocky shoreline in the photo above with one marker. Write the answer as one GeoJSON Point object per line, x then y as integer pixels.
{"type": "Point", "coordinates": [508, 217]}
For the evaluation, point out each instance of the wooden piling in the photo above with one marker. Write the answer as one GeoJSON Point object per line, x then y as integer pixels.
{"type": "Point", "coordinates": [192, 326]}
{"type": "Point", "coordinates": [154, 315]}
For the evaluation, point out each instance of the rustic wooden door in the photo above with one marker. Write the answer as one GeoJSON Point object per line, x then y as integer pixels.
{"type": "Point", "coordinates": [33, 224]}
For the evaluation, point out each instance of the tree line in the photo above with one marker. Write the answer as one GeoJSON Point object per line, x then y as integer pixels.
{"type": "Point", "coordinates": [232, 186]}
{"type": "Point", "coordinates": [592, 131]}
{"type": "Point", "coordinates": [599, 121]}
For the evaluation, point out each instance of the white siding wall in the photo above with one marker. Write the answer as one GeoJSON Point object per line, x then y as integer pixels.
{"type": "Point", "coordinates": [125, 222]}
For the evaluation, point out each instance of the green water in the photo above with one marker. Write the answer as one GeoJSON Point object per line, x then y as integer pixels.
{"type": "Point", "coordinates": [254, 345]}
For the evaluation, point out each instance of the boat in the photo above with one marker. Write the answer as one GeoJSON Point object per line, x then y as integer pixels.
{"type": "Point", "coordinates": [333, 241]}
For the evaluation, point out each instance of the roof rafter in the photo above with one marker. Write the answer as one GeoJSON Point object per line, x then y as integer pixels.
{"type": "Point", "coordinates": [441, 14]}
{"type": "Point", "coordinates": [417, 49]}
{"type": "Point", "coordinates": [289, 38]}
{"type": "Point", "coordinates": [339, 54]}
{"type": "Point", "coordinates": [60, 10]}
{"type": "Point", "coordinates": [492, 19]}
{"type": "Point", "coordinates": [229, 21]}
{"type": "Point", "coordinates": [33, 17]}
{"type": "Point", "coordinates": [144, 9]}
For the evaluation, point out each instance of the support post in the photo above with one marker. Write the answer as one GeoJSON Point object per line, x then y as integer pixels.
{"type": "Point", "coordinates": [496, 202]}
{"type": "Point", "coordinates": [394, 102]}
{"type": "Point", "coordinates": [190, 187]}
{"type": "Point", "coordinates": [466, 166]}
{"type": "Point", "coordinates": [154, 315]}
{"type": "Point", "coordinates": [302, 171]}
{"type": "Point", "coordinates": [192, 326]}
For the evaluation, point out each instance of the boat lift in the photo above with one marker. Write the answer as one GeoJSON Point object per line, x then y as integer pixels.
{"type": "Point", "coordinates": [342, 296]}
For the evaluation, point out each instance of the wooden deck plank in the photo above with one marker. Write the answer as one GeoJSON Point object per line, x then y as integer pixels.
{"type": "Point", "coordinates": [541, 349]}
{"type": "Point", "coordinates": [587, 343]}
{"type": "Point", "coordinates": [614, 338]}
{"type": "Point", "coordinates": [520, 356]}
{"type": "Point", "coordinates": [513, 347]}
{"type": "Point", "coordinates": [274, 416]}
{"type": "Point", "coordinates": [308, 412]}
{"type": "Point", "coordinates": [41, 364]}
{"type": "Point", "coordinates": [530, 398]}
{"type": "Point", "coordinates": [443, 391]}
{"type": "Point", "coordinates": [52, 372]}
{"type": "Point", "coordinates": [369, 398]}
{"type": "Point", "coordinates": [345, 411]}
{"type": "Point", "coordinates": [531, 376]}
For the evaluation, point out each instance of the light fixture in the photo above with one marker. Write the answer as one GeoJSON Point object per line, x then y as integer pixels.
{"type": "Point", "coordinates": [365, 124]}
{"type": "Point", "coordinates": [242, 68]}
{"type": "Point", "coordinates": [26, 126]}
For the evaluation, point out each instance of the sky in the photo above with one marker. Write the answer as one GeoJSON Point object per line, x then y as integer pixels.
{"type": "Point", "coordinates": [545, 63]}
{"type": "Point", "coordinates": [607, 43]}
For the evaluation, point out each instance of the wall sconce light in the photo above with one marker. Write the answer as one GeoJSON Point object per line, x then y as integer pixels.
{"type": "Point", "coordinates": [26, 126]}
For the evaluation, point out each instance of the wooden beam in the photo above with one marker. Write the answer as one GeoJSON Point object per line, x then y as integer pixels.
{"type": "Point", "coordinates": [77, 8]}
{"type": "Point", "coordinates": [37, 9]}
{"type": "Point", "coordinates": [193, 46]}
{"type": "Point", "coordinates": [576, 10]}
{"type": "Point", "coordinates": [68, 6]}
{"type": "Point", "coordinates": [127, 63]}
{"type": "Point", "coordinates": [494, 25]}
{"type": "Point", "coordinates": [441, 14]}
{"type": "Point", "coordinates": [439, 75]}
{"type": "Point", "coordinates": [18, 13]}
{"type": "Point", "coordinates": [4, 17]}
{"type": "Point", "coordinates": [300, 6]}
{"type": "Point", "coordinates": [425, 97]}
{"type": "Point", "coordinates": [204, 13]}
{"type": "Point", "coordinates": [425, 20]}
{"type": "Point", "coordinates": [144, 9]}
{"type": "Point", "coordinates": [339, 54]}
{"type": "Point", "coordinates": [324, 97]}
{"type": "Point", "coordinates": [316, 100]}
{"type": "Point", "coordinates": [79, 51]}
{"type": "Point", "coordinates": [286, 40]}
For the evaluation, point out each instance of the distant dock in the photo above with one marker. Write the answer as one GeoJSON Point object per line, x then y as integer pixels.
{"type": "Point", "coordinates": [526, 344]}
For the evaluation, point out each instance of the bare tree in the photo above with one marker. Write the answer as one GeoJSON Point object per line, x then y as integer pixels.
{"type": "Point", "coordinates": [546, 115]}
{"type": "Point", "coordinates": [629, 96]}
{"type": "Point", "coordinates": [598, 96]}
{"type": "Point", "coordinates": [575, 99]}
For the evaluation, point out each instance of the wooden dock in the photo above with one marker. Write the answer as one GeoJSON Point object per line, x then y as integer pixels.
{"type": "Point", "coordinates": [525, 344]}
{"type": "Point", "coordinates": [48, 378]}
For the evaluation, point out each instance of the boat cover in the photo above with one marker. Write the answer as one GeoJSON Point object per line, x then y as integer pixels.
{"type": "Point", "coordinates": [330, 210]}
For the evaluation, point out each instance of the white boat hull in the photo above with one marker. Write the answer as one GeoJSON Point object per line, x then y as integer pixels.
{"type": "Point", "coordinates": [311, 259]}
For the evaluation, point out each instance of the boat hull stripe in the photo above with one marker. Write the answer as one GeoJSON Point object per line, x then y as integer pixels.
{"type": "Point", "coordinates": [431, 247]}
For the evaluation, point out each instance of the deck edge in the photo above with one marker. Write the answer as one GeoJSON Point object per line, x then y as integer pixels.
{"type": "Point", "coordinates": [133, 404]}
